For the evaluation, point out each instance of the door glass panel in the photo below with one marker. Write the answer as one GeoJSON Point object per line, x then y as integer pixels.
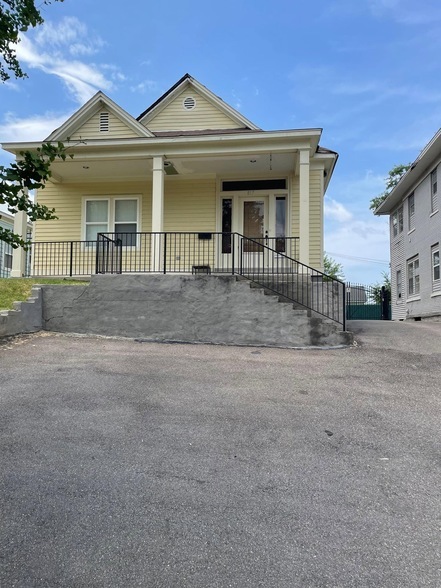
{"type": "Point", "coordinates": [253, 223]}
{"type": "Point", "coordinates": [227, 207]}
{"type": "Point", "coordinates": [280, 224]}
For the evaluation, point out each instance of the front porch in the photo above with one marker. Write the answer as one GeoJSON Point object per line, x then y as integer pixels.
{"type": "Point", "coordinates": [269, 263]}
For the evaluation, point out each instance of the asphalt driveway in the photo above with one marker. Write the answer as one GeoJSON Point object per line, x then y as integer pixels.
{"type": "Point", "coordinates": [131, 464]}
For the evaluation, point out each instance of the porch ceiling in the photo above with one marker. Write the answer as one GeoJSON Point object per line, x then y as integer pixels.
{"type": "Point", "coordinates": [82, 169]}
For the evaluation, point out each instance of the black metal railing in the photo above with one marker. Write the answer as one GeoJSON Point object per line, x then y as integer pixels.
{"type": "Point", "coordinates": [292, 280]}
{"type": "Point", "coordinates": [108, 255]}
{"type": "Point", "coordinates": [264, 261]}
{"type": "Point", "coordinates": [62, 258]}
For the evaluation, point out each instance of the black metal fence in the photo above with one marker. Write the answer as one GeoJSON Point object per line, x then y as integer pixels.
{"type": "Point", "coordinates": [269, 262]}
{"type": "Point", "coordinates": [63, 258]}
{"type": "Point", "coordinates": [364, 302]}
{"type": "Point", "coordinates": [296, 282]}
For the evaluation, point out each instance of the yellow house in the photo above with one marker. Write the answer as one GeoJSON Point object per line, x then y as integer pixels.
{"type": "Point", "coordinates": [189, 164]}
{"type": "Point", "coordinates": [190, 186]}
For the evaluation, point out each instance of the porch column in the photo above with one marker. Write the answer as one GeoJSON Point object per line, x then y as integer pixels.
{"type": "Point", "coordinates": [19, 255]}
{"type": "Point", "coordinates": [157, 212]}
{"type": "Point", "coordinates": [304, 206]}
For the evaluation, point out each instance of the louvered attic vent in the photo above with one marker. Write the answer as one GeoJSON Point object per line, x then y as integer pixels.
{"type": "Point", "coordinates": [104, 122]}
{"type": "Point", "coordinates": [189, 103]}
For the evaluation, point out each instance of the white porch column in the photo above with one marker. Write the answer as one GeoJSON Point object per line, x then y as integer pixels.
{"type": "Point", "coordinates": [19, 255]}
{"type": "Point", "coordinates": [157, 212]}
{"type": "Point", "coordinates": [304, 205]}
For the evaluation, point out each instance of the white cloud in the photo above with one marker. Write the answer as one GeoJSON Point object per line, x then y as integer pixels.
{"type": "Point", "coordinates": [336, 210]}
{"type": "Point", "coordinates": [145, 86]}
{"type": "Point", "coordinates": [33, 128]}
{"type": "Point", "coordinates": [54, 49]}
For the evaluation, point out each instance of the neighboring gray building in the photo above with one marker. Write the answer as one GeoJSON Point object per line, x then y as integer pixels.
{"type": "Point", "coordinates": [415, 236]}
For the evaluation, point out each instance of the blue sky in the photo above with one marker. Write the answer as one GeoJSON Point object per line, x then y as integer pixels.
{"type": "Point", "coordinates": [366, 71]}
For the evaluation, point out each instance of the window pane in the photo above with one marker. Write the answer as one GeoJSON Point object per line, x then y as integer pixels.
{"type": "Point", "coordinates": [96, 211]}
{"type": "Point", "coordinates": [125, 232]}
{"type": "Point", "coordinates": [125, 211]}
{"type": "Point", "coordinates": [93, 230]}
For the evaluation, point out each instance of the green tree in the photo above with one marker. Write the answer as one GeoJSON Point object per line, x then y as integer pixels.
{"type": "Point", "coordinates": [395, 175]}
{"type": "Point", "coordinates": [376, 288]}
{"type": "Point", "coordinates": [332, 268]}
{"type": "Point", "coordinates": [32, 169]}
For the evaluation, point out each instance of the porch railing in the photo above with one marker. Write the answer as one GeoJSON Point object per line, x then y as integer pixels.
{"type": "Point", "coordinates": [292, 280]}
{"type": "Point", "coordinates": [269, 262]}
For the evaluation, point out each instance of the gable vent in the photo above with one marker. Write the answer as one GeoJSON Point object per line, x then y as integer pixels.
{"type": "Point", "coordinates": [104, 122]}
{"type": "Point", "coordinates": [189, 103]}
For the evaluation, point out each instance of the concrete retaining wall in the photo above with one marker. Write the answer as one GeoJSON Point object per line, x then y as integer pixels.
{"type": "Point", "coordinates": [25, 318]}
{"type": "Point", "coordinates": [194, 309]}
{"type": "Point", "coordinates": [205, 309]}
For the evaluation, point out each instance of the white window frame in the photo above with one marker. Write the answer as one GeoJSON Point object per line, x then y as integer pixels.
{"type": "Point", "coordinates": [111, 200]}
{"type": "Point", "coordinates": [435, 266]}
{"type": "Point", "coordinates": [397, 221]}
{"type": "Point", "coordinates": [399, 283]}
{"type": "Point", "coordinates": [411, 210]}
{"type": "Point", "coordinates": [434, 190]}
{"type": "Point", "coordinates": [413, 277]}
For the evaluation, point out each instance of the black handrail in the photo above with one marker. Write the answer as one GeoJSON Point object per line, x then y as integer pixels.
{"type": "Point", "coordinates": [199, 252]}
{"type": "Point", "coordinates": [292, 280]}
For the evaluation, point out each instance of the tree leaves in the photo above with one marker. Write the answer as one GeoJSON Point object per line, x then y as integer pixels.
{"type": "Point", "coordinates": [395, 175]}
{"type": "Point", "coordinates": [30, 172]}
{"type": "Point", "coordinates": [16, 16]}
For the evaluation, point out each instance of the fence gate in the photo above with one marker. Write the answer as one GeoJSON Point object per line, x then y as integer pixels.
{"type": "Point", "coordinates": [367, 303]}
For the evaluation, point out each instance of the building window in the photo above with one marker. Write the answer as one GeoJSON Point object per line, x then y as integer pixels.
{"type": "Point", "coordinates": [413, 276]}
{"type": "Point", "coordinates": [126, 221]}
{"type": "Point", "coordinates": [435, 265]}
{"type": "Point", "coordinates": [8, 261]}
{"type": "Point", "coordinates": [112, 215]}
{"type": "Point", "coordinates": [434, 190]}
{"type": "Point", "coordinates": [411, 211]}
{"type": "Point", "coordinates": [399, 284]}
{"type": "Point", "coordinates": [97, 218]}
{"type": "Point", "coordinates": [397, 222]}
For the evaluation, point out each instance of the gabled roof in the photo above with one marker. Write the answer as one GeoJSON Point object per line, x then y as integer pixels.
{"type": "Point", "coordinates": [188, 80]}
{"type": "Point", "coordinates": [409, 181]}
{"type": "Point", "coordinates": [81, 116]}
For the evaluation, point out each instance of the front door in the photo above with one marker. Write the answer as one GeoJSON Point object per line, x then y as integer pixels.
{"type": "Point", "coordinates": [253, 223]}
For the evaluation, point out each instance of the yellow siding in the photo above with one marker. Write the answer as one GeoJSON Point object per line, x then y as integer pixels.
{"type": "Point", "coordinates": [315, 215]}
{"type": "Point", "coordinates": [91, 128]}
{"type": "Point", "coordinates": [204, 116]}
{"type": "Point", "coordinates": [190, 205]}
{"type": "Point", "coordinates": [315, 219]}
{"type": "Point", "coordinates": [67, 200]}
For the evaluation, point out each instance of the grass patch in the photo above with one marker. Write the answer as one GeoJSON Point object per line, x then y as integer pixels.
{"type": "Point", "coordinates": [18, 289]}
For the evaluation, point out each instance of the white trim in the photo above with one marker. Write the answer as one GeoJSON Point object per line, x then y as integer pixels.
{"type": "Point", "coordinates": [435, 294]}
{"type": "Point", "coordinates": [208, 95]}
{"type": "Point", "coordinates": [433, 213]}
{"type": "Point", "coordinates": [413, 299]}
{"type": "Point", "coordinates": [91, 107]}
{"type": "Point", "coordinates": [111, 199]}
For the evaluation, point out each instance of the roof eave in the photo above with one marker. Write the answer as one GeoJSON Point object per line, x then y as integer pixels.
{"type": "Point", "coordinates": [411, 178]}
